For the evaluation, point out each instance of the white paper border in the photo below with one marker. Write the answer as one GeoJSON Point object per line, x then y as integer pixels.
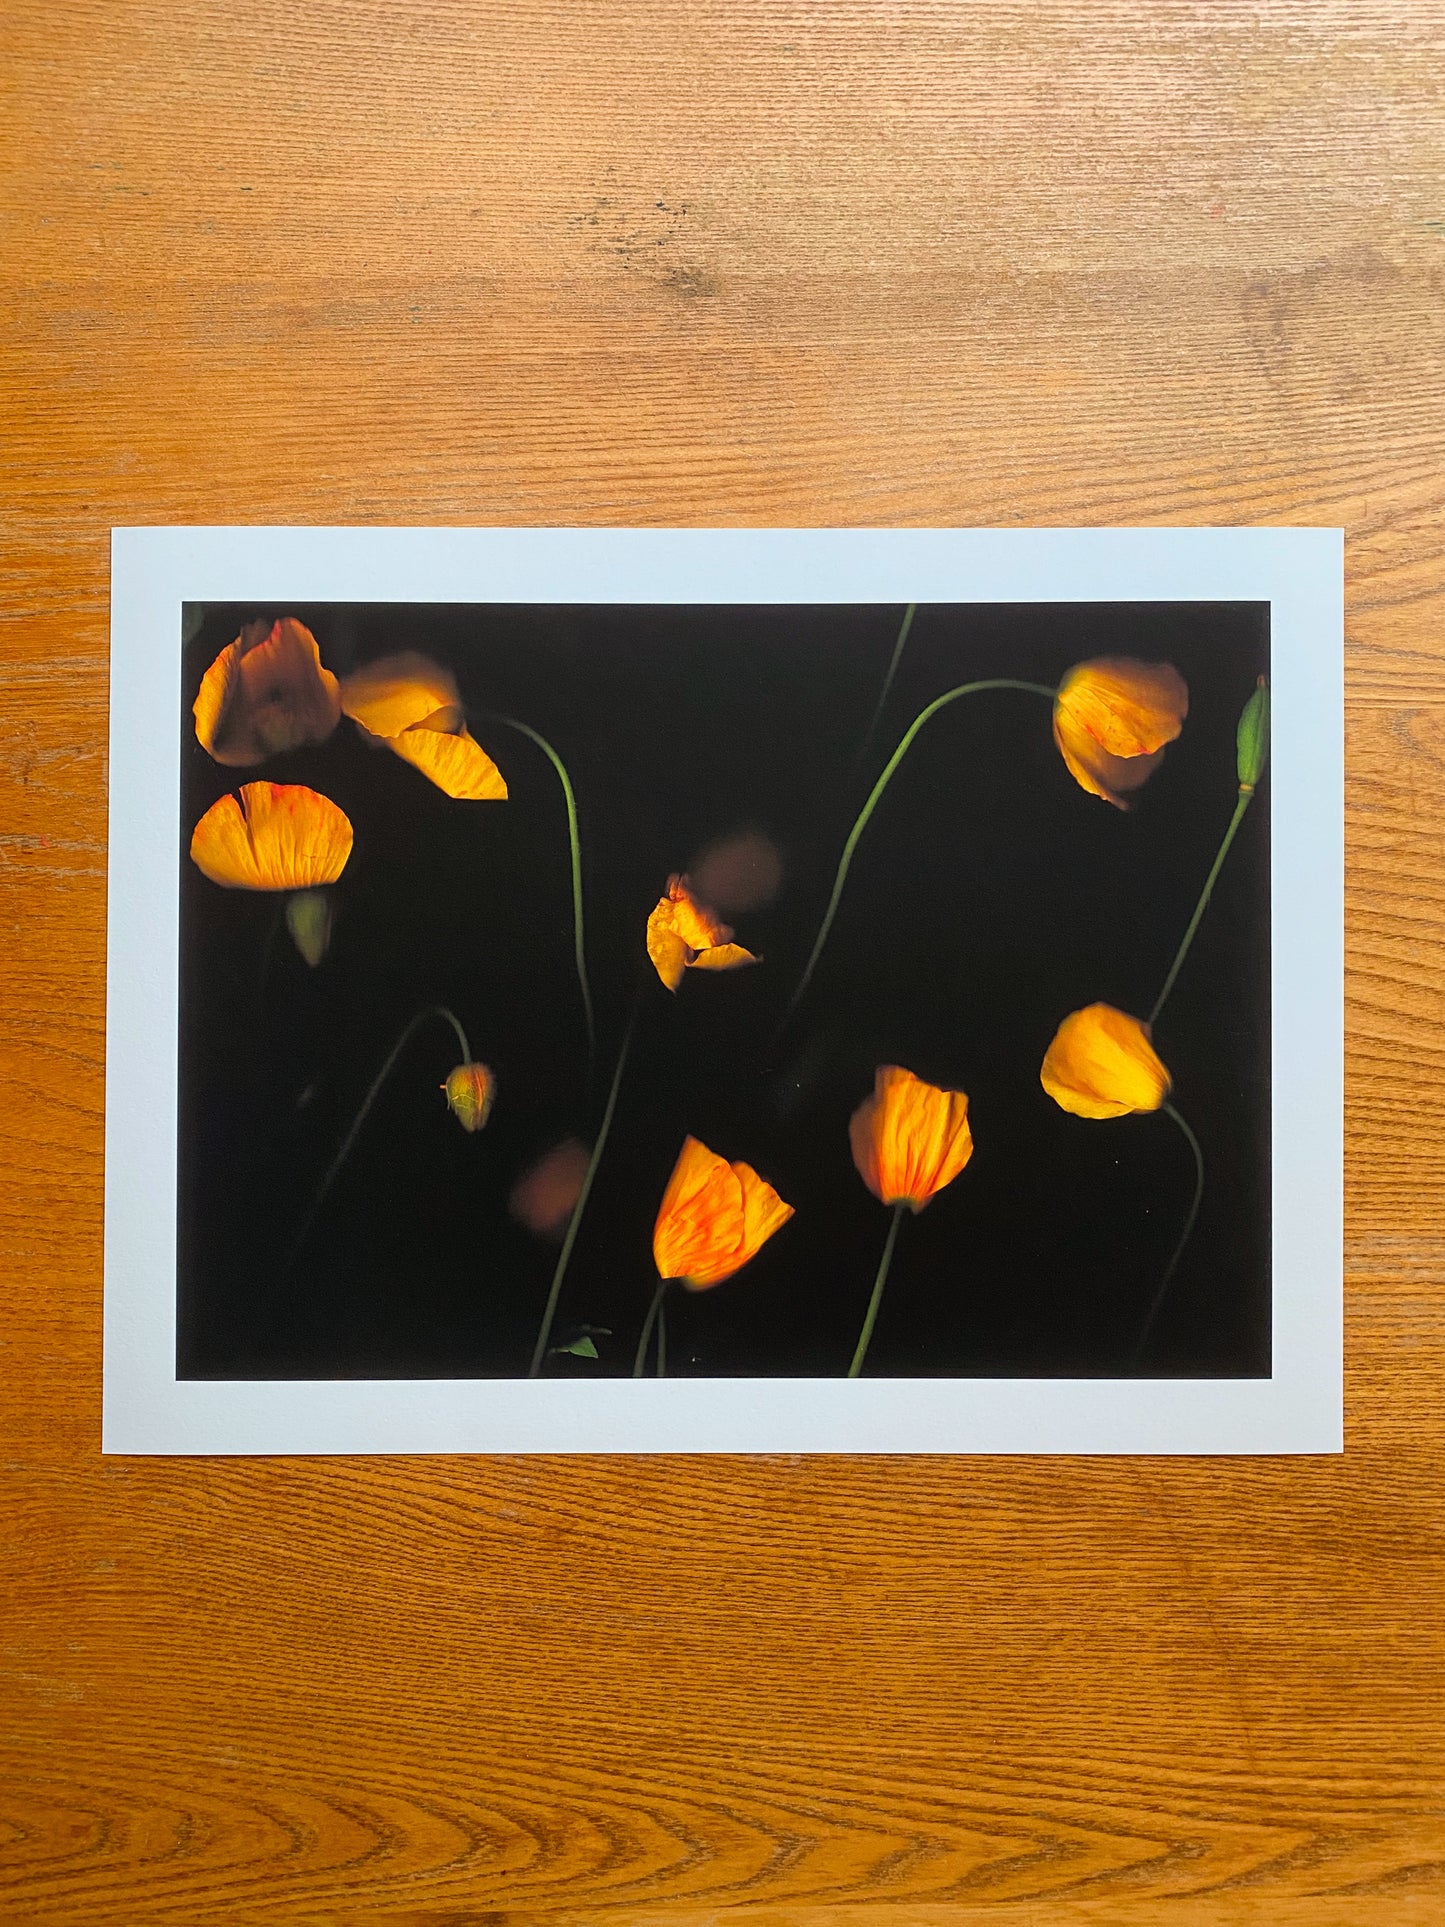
{"type": "Point", "coordinates": [1299, 572]}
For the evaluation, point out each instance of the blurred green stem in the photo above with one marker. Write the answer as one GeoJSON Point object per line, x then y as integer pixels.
{"type": "Point", "coordinates": [422, 1017]}
{"type": "Point", "coordinates": [539, 1350]}
{"type": "Point", "coordinates": [894, 661]}
{"type": "Point", "coordinates": [1184, 1236]}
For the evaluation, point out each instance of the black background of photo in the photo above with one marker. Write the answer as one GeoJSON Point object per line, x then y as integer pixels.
{"type": "Point", "coordinates": [989, 897]}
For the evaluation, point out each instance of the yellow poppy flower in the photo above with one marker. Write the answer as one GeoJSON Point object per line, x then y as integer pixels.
{"type": "Point", "coordinates": [279, 836]}
{"type": "Point", "coordinates": [714, 1217]}
{"type": "Point", "coordinates": [682, 934]}
{"type": "Point", "coordinates": [265, 693]}
{"type": "Point", "coordinates": [909, 1138]}
{"type": "Point", "coordinates": [1102, 1064]}
{"type": "Point", "coordinates": [471, 1091]}
{"type": "Point", "coordinates": [411, 704]}
{"type": "Point", "coordinates": [1112, 719]}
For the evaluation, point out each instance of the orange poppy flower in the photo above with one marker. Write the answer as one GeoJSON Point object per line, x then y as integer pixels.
{"type": "Point", "coordinates": [279, 836]}
{"type": "Point", "coordinates": [909, 1138]}
{"type": "Point", "coordinates": [266, 692]}
{"type": "Point", "coordinates": [683, 934]}
{"type": "Point", "coordinates": [1102, 1064]}
{"type": "Point", "coordinates": [715, 1216]}
{"type": "Point", "coordinates": [1112, 719]}
{"type": "Point", "coordinates": [471, 1091]}
{"type": "Point", "coordinates": [411, 705]}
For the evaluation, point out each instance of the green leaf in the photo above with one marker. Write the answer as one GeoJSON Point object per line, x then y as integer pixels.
{"type": "Point", "coordinates": [579, 1348]}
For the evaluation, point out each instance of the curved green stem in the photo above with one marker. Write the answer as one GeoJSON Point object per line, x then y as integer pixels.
{"type": "Point", "coordinates": [894, 661]}
{"type": "Point", "coordinates": [865, 1336]}
{"type": "Point", "coordinates": [575, 843]}
{"type": "Point", "coordinates": [662, 1339]}
{"type": "Point", "coordinates": [1246, 796]}
{"type": "Point", "coordinates": [1184, 1235]}
{"type": "Point", "coordinates": [875, 796]}
{"type": "Point", "coordinates": [422, 1016]}
{"type": "Point", "coordinates": [539, 1350]}
{"type": "Point", "coordinates": [654, 1312]}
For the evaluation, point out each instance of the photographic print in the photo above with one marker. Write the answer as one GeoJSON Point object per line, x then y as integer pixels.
{"type": "Point", "coordinates": [779, 1014]}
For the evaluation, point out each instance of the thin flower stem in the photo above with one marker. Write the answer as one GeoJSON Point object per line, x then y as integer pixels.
{"type": "Point", "coordinates": [422, 1017]}
{"type": "Point", "coordinates": [575, 844]}
{"type": "Point", "coordinates": [874, 797]}
{"type": "Point", "coordinates": [653, 1312]}
{"type": "Point", "coordinates": [539, 1350]}
{"type": "Point", "coordinates": [662, 1340]}
{"type": "Point", "coordinates": [878, 1283]}
{"type": "Point", "coordinates": [1246, 796]}
{"type": "Point", "coordinates": [894, 661]}
{"type": "Point", "coordinates": [1184, 1235]}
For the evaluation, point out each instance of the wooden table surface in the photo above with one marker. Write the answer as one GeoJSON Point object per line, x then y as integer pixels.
{"type": "Point", "coordinates": [720, 261]}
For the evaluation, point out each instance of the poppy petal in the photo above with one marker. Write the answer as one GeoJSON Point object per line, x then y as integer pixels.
{"type": "Point", "coordinates": [1130, 708]}
{"type": "Point", "coordinates": [724, 956]}
{"type": "Point", "coordinates": [454, 761]}
{"type": "Point", "coordinates": [278, 836]}
{"type": "Point", "coordinates": [266, 692]}
{"type": "Point", "coordinates": [399, 692]}
{"type": "Point", "coordinates": [1102, 1063]}
{"type": "Point", "coordinates": [1094, 769]}
{"type": "Point", "coordinates": [670, 955]}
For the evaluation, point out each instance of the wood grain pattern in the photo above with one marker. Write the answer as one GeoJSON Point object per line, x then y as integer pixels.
{"type": "Point", "coordinates": [750, 262]}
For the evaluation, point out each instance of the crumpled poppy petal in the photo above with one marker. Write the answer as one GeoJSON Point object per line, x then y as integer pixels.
{"type": "Point", "coordinates": [454, 761]}
{"type": "Point", "coordinates": [400, 692]}
{"type": "Point", "coordinates": [1094, 769]}
{"type": "Point", "coordinates": [693, 921]}
{"type": "Point", "coordinates": [724, 956]}
{"type": "Point", "coordinates": [700, 1221]}
{"type": "Point", "coordinates": [1130, 708]}
{"type": "Point", "coordinates": [266, 692]}
{"type": "Point", "coordinates": [670, 955]}
{"type": "Point", "coordinates": [764, 1212]}
{"type": "Point", "coordinates": [714, 1218]}
{"type": "Point", "coordinates": [1102, 1063]}
{"type": "Point", "coordinates": [909, 1138]}
{"type": "Point", "coordinates": [278, 836]}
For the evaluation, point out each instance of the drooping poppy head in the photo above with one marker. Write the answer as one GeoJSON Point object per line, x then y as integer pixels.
{"type": "Point", "coordinates": [279, 836]}
{"type": "Point", "coordinates": [715, 1216]}
{"type": "Point", "coordinates": [1112, 720]}
{"type": "Point", "coordinates": [410, 704]}
{"type": "Point", "coordinates": [683, 934]}
{"type": "Point", "coordinates": [266, 692]}
{"type": "Point", "coordinates": [1102, 1064]}
{"type": "Point", "coordinates": [909, 1138]}
{"type": "Point", "coordinates": [471, 1091]}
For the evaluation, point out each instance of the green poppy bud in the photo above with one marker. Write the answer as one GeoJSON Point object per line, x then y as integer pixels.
{"type": "Point", "coordinates": [308, 918]}
{"type": "Point", "coordinates": [1253, 738]}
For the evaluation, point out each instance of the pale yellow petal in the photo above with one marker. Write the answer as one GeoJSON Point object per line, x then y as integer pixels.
{"type": "Point", "coordinates": [455, 762]}
{"type": "Point", "coordinates": [399, 692]}
{"type": "Point", "coordinates": [724, 956]}
{"type": "Point", "coordinates": [669, 954]}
